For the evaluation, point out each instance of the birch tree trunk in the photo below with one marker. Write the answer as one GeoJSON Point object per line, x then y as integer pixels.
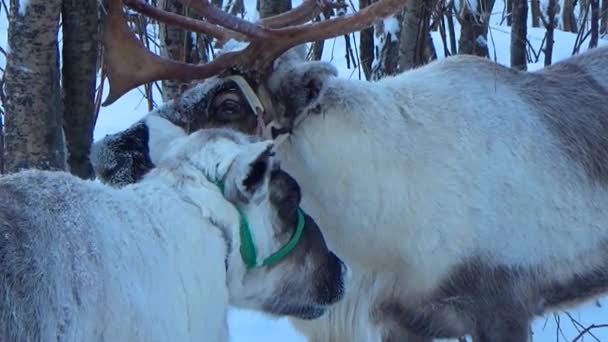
{"type": "Point", "coordinates": [595, 19]}
{"type": "Point", "coordinates": [34, 135]}
{"type": "Point", "coordinates": [519, 32]}
{"type": "Point", "coordinates": [387, 36]}
{"type": "Point", "coordinates": [416, 47]}
{"type": "Point", "coordinates": [474, 28]}
{"type": "Point", "coordinates": [535, 7]}
{"type": "Point", "coordinates": [366, 45]}
{"type": "Point", "coordinates": [178, 44]}
{"type": "Point", "coordinates": [568, 20]}
{"type": "Point", "coordinates": [80, 51]}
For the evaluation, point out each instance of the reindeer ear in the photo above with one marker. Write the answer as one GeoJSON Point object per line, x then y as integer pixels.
{"type": "Point", "coordinates": [299, 84]}
{"type": "Point", "coordinates": [258, 159]}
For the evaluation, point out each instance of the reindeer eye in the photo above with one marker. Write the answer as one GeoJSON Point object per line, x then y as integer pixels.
{"type": "Point", "coordinates": [229, 110]}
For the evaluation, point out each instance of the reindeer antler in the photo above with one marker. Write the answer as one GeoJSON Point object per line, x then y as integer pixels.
{"type": "Point", "coordinates": [307, 10]}
{"type": "Point", "coordinates": [129, 64]}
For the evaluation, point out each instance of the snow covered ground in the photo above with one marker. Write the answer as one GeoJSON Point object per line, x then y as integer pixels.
{"type": "Point", "coordinates": [250, 326]}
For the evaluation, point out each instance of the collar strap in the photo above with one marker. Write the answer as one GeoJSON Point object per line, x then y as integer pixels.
{"type": "Point", "coordinates": [247, 249]}
{"type": "Point", "coordinates": [252, 99]}
{"type": "Point", "coordinates": [260, 103]}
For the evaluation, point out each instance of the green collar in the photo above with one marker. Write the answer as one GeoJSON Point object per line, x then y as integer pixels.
{"type": "Point", "coordinates": [247, 249]}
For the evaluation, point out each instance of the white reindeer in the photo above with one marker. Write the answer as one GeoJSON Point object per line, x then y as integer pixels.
{"type": "Point", "coordinates": [468, 197]}
{"type": "Point", "coordinates": [162, 259]}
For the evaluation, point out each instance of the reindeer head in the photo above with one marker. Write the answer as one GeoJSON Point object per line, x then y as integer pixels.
{"type": "Point", "coordinates": [265, 79]}
{"type": "Point", "coordinates": [278, 261]}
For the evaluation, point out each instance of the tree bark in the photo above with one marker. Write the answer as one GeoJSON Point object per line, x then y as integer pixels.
{"type": "Point", "coordinates": [550, 25]}
{"type": "Point", "coordinates": [604, 17]}
{"type": "Point", "coordinates": [568, 20]}
{"type": "Point", "coordinates": [366, 45]}
{"type": "Point", "coordinates": [451, 30]}
{"type": "Point", "coordinates": [474, 29]}
{"type": "Point", "coordinates": [34, 134]}
{"type": "Point", "coordinates": [582, 7]}
{"type": "Point", "coordinates": [595, 20]}
{"type": "Point", "coordinates": [387, 34]}
{"type": "Point", "coordinates": [535, 4]}
{"type": "Point", "coordinates": [414, 42]}
{"type": "Point", "coordinates": [179, 45]}
{"type": "Point", "coordinates": [519, 32]}
{"type": "Point", "coordinates": [267, 8]}
{"type": "Point", "coordinates": [80, 50]}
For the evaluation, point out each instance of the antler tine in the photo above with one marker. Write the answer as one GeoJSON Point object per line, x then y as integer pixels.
{"type": "Point", "coordinates": [216, 16]}
{"type": "Point", "coordinates": [307, 10]}
{"type": "Point", "coordinates": [269, 43]}
{"type": "Point", "coordinates": [184, 22]}
{"type": "Point", "coordinates": [338, 26]}
{"type": "Point", "coordinates": [129, 64]}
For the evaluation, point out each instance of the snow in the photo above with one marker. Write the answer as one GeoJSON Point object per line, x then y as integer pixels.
{"type": "Point", "coordinates": [472, 5]}
{"type": "Point", "coordinates": [481, 41]}
{"type": "Point", "coordinates": [391, 27]}
{"type": "Point", "coordinates": [249, 326]}
{"type": "Point", "coordinates": [23, 6]}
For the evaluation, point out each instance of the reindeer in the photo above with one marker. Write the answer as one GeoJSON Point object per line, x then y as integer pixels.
{"type": "Point", "coordinates": [467, 197]}
{"type": "Point", "coordinates": [217, 222]}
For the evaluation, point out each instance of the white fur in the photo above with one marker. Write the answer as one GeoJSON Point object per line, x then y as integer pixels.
{"type": "Point", "coordinates": [433, 176]}
{"type": "Point", "coordinates": [150, 257]}
{"type": "Point", "coordinates": [161, 134]}
{"type": "Point", "coordinates": [431, 213]}
{"type": "Point", "coordinates": [410, 177]}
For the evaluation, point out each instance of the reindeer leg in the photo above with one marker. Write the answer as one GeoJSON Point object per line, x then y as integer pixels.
{"type": "Point", "coordinates": [404, 336]}
{"type": "Point", "coordinates": [502, 330]}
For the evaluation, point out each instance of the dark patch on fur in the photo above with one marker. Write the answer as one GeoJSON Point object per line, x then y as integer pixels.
{"type": "Point", "coordinates": [574, 105]}
{"type": "Point", "coordinates": [157, 233]}
{"type": "Point", "coordinates": [256, 174]}
{"type": "Point", "coordinates": [396, 333]}
{"type": "Point", "coordinates": [296, 87]}
{"type": "Point", "coordinates": [579, 287]}
{"type": "Point", "coordinates": [476, 299]}
{"type": "Point", "coordinates": [328, 277]}
{"type": "Point", "coordinates": [492, 303]}
{"type": "Point", "coordinates": [131, 156]}
{"type": "Point", "coordinates": [285, 196]}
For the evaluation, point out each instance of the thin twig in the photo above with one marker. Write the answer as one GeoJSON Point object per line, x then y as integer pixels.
{"type": "Point", "coordinates": [589, 328]}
